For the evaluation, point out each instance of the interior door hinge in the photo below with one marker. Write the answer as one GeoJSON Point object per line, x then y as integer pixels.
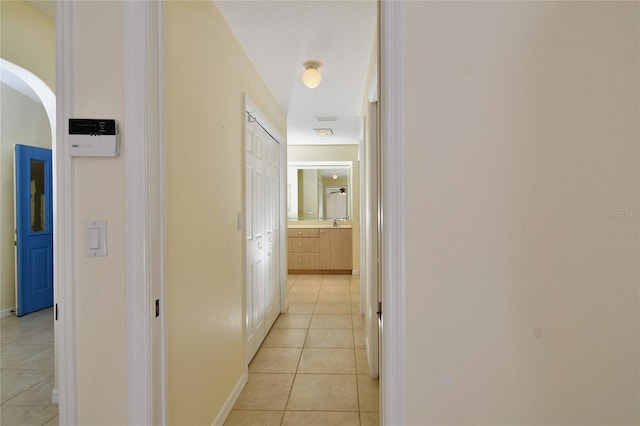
{"type": "Point", "coordinates": [157, 308]}
{"type": "Point", "coordinates": [55, 313]}
{"type": "Point", "coordinates": [379, 310]}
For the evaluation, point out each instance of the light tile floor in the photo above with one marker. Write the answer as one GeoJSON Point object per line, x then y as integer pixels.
{"type": "Point", "coordinates": [27, 370]}
{"type": "Point", "coordinates": [312, 367]}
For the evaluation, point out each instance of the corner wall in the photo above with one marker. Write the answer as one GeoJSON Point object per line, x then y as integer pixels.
{"type": "Point", "coordinates": [522, 171]}
{"type": "Point", "coordinates": [206, 74]}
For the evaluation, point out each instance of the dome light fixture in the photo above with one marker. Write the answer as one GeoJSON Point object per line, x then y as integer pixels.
{"type": "Point", "coordinates": [311, 76]}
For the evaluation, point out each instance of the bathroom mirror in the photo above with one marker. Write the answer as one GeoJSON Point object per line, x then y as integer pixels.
{"type": "Point", "coordinates": [319, 190]}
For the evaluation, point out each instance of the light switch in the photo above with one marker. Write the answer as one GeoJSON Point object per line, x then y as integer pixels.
{"type": "Point", "coordinates": [95, 238]}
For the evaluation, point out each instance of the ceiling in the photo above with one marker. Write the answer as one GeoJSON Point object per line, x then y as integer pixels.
{"type": "Point", "coordinates": [278, 36]}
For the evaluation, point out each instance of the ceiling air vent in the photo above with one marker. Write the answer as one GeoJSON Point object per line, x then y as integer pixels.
{"type": "Point", "coordinates": [324, 131]}
{"type": "Point", "coordinates": [326, 119]}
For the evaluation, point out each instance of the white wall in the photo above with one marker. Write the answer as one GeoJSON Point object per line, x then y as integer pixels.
{"type": "Point", "coordinates": [522, 286]}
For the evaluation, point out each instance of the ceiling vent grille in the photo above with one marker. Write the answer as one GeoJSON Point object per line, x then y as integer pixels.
{"type": "Point", "coordinates": [326, 119]}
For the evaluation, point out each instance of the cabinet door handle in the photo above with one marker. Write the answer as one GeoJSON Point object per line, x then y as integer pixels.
{"type": "Point", "coordinates": [300, 260]}
{"type": "Point", "coordinates": [299, 244]}
{"type": "Point", "coordinates": [299, 232]}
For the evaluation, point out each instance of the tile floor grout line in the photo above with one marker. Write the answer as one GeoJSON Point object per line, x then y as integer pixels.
{"type": "Point", "coordinates": [286, 404]}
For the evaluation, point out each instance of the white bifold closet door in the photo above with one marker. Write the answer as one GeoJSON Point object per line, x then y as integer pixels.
{"type": "Point", "coordinates": [262, 233]}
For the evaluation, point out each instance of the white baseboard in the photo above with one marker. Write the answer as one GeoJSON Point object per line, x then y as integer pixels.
{"type": "Point", "coordinates": [7, 312]}
{"type": "Point", "coordinates": [55, 397]}
{"type": "Point", "coordinates": [355, 272]}
{"type": "Point", "coordinates": [233, 397]}
{"type": "Point", "coordinates": [367, 348]}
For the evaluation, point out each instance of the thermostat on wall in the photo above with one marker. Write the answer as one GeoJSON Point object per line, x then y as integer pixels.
{"type": "Point", "coordinates": [93, 138]}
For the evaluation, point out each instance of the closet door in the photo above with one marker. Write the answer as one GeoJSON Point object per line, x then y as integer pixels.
{"type": "Point", "coordinates": [272, 229]}
{"type": "Point", "coordinates": [262, 233]}
{"type": "Point", "coordinates": [254, 241]}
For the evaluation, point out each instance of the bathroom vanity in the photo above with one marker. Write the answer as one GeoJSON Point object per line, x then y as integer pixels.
{"type": "Point", "coordinates": [319, 248]}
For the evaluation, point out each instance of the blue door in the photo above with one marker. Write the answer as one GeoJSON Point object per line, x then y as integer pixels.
{"type": "Point", "coordinates": [34, 228]}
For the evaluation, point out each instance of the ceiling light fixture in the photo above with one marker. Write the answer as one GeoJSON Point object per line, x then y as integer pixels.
{"type": "Point", "coordinates": [335, 177]}
{"type": "Point", "coordinates": [323, 131]}
{"type": "Point", "coordinates": [311, 77]}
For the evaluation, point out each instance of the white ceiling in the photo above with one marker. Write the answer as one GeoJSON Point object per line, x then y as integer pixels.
{"type": "Point", "coordinates": [279, 36]}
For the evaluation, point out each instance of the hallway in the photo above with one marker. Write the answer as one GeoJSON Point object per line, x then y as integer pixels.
{"type": "Point", "coordinates": [312, 367]}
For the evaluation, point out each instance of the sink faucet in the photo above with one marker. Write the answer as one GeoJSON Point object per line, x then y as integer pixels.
{"type": "Point", "coordinates": [335, 222]}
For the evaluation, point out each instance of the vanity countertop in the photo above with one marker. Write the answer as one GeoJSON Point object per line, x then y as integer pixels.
{"type": "Point", "coordinates": [313, 224]}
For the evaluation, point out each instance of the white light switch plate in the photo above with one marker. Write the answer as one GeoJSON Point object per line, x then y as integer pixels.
{"type": "Point", "coordinates": [95, 238]}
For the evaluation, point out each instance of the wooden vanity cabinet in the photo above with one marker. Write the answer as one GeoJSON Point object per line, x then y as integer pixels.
{"type": "Point", "coordinates": [319, 250]}
{"type": "Point", "coordinates": [335, 249]}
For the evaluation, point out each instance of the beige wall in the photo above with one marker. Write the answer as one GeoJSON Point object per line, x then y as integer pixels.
{"type": "Point", "coordinates": [206, 74]}
{"type": "Point", "coordinates": [27, 39]}
{"type": "Point", "coordinates": [98, 189]}
{"type": "Point", "coordinates": [522, 277]}
{"type": "Point", "coordinates": [336, 153]}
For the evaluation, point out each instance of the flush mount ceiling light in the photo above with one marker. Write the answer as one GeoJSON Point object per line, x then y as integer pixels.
{"type": "Point", "coordinates": [311, 77]}
{"type": "Point", "coordinates": [324, 131]}
{"type": "Point", "coordinates": [335, 177]}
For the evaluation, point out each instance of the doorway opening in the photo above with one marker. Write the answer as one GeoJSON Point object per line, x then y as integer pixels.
{"type": "Point", "coordinates": [28, 138]}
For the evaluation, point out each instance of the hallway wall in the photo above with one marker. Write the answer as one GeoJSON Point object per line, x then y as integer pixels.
{"type": "Point", "coordinates": [207, 73]}
{"type": "Point", "coordinates": [522, 186]}
{"type": "Point", "coordinates": [99, 190]}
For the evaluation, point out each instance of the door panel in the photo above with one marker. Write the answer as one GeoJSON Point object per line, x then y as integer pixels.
{"type": "Point", "coordinates": [373, 249]}
{"type": "Point", "coordinates": [262, 203]}
{"type": "Point", "coordinates": [34, 229]}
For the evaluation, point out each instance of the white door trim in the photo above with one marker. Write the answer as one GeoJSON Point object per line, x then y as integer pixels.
{"type": "Point", "coordinates": [393, 383]}
{"type": "Point", "coordinates": [144, 173]}
{"type": "Point", "coordinates": [64, 231]}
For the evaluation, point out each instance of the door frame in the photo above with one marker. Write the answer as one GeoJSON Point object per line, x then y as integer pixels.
{"type": "Point", "coordinates": [393, 381]}
{"type": "Point", "coordinates": [144, 213]}
{"type": "Point", "coordinates": [64, 220]}
{"type": "Point", "coordinates": [144, 169]}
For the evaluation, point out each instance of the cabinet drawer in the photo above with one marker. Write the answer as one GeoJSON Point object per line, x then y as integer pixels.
{"type": "Point", "coordinates": [303, 233]}
{"type": "Point", "coordinates": [304, 245]}
{"type": "Point", "coordinates": [304, 261]}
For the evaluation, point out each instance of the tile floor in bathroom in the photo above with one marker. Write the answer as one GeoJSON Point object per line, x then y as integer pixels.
{"type": "Point", "coordinates": [312, 367]}
{"type": "Point", "coordinates": [27, 376]}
